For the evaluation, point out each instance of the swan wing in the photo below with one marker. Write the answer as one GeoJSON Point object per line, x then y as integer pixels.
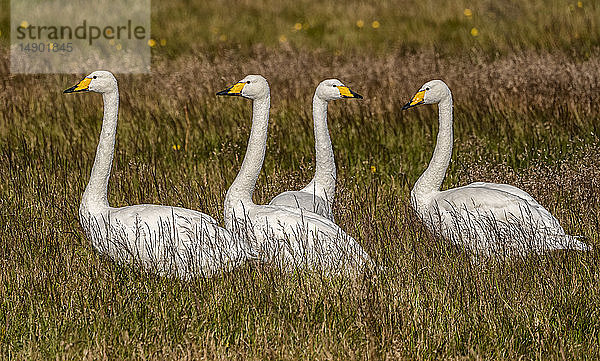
{"type": "Point", "coordinates": [486, 213]}
{"type": "Point", "coordinates": [294, 238]}
{"type": "Point", "coordinates": [502, 201]}
{"type": "Point", "coordinates": [166, 240]}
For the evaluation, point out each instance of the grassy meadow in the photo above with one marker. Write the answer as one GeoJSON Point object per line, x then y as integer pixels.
{"type": "Point", "coordinates": [525, 78]}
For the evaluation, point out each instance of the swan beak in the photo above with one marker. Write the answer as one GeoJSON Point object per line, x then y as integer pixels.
{"type": "Point", "coordinates": [80, 87]}
{"type": "Point", "coordinates": [416, 100]}
{"type": "Point", "coordinates": [345, 92]}
{"type": "Point", "coordinates": [235, 90]}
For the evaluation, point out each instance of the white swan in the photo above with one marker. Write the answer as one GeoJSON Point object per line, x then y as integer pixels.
{"type": "Point", "coordinates": [486, 218]}
{"type": "Point", "coordinates": [167, 240]}
{"type": "Point", "coordinates": [319, 194]}
{"type": "Point", "coordinates": [292, 238]}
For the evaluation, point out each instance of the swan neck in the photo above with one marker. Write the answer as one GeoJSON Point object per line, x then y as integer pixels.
{"type": "Point", "coordinates": [431, 180]}
{"type": "Point", "coordinates": [243, 186]}
{"type": "Point", "coordinates": [325, 171]}
{"type": "Point", "coordinates": [95, 196]}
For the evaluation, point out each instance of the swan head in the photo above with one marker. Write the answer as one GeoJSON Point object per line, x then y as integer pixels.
{"type": "Point", "coordinates": [332, 89]}
{"type": "Point", "coordinates": [251, 87]}
{"type": "Point", "coordinates": [99, 81]}
{"type": "Point", "coordinates": [431, 92]}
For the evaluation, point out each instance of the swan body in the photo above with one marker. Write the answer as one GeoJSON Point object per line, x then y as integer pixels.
{"type": "Point", "coordinates": [167, 240]}
{"type": "Point", "coordinates": [319, 194]}
{"type": "Point", "coordinates": [486, 218]}
{"type": "Point", "coordinates": [289, 237]}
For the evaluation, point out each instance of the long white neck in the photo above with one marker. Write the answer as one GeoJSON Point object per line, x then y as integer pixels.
{"type": "Point", "coordinates": [325, 172]}
{"type": "Point", "coordinates": [95, 197]}
{"type": "Point", "coordinates": [431, 180]}
{"type": "Point", "coordinates": [243, 186]}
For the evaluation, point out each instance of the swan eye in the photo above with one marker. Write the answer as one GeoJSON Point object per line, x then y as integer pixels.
{"type": "Point", "coordinates": [248, 82]}
{"type": "Point", "coordinates": [94, 77]}
{"type": "Point", "coordinates": [335, 86]}
{"type": "Point", "coordinates": [427, 88]}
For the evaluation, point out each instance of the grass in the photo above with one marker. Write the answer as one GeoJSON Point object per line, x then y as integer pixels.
{"type": "Point", "coordinates": [526, 92]}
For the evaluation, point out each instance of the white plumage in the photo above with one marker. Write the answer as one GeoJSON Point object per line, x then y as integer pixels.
{"type": "Point", "coordinates": [486, 218]}
{"type": "Point", "coordinates": [166, 240]}
{"type": "Point", "coordinates": [292, 238]}
{"type": "Point", "coordinates": [318, 196]}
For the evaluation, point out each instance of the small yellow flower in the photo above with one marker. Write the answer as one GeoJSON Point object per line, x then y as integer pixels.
{"type": "Point", "coordinates": [176, 147]}
{"type": "Point", "coordinates": [119, 47]}
{"type": "Point", "coordinates": [375, 24]}
{"type": "Point", "coordinates": [282, 38]}
{"type": "Point", "coordinates": [474, 32]}
{"type": "Point", "coordinates": [151, 43]}
{"type": "Point", "coordinates": [337, 52]}
{"type": "Point", "coordinates": [468, 13]}
{"type": "Point", "coordinates": [373, 169]}
{"type": "Point", "coordinates": [579, 4]}
{"type": "Point", "coordinates": [360, 23]}
{"type": "Point", "coordinates": [297, 26]}
{"type": "Point", "coordinates": [111, 41]}
{"type": "Point", "coordinates": [222, 37]}
{"type": "Point", "coordinates": [24, 24]}
{"type": "Point", "coordinates": [163, 42]}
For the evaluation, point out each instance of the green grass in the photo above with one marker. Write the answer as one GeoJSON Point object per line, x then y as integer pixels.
{"type": "Point", "coordinates": [526, 95]}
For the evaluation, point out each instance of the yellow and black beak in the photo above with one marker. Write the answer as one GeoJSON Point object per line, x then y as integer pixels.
{"type": "Point", "coordinates": [82, 86]}
{"type": "Point", "coordinates": [234, 90]}
{"type": "Point", "coordinates": [416, 100]}
{"type": "Point", "coordinates": [345, 92]}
